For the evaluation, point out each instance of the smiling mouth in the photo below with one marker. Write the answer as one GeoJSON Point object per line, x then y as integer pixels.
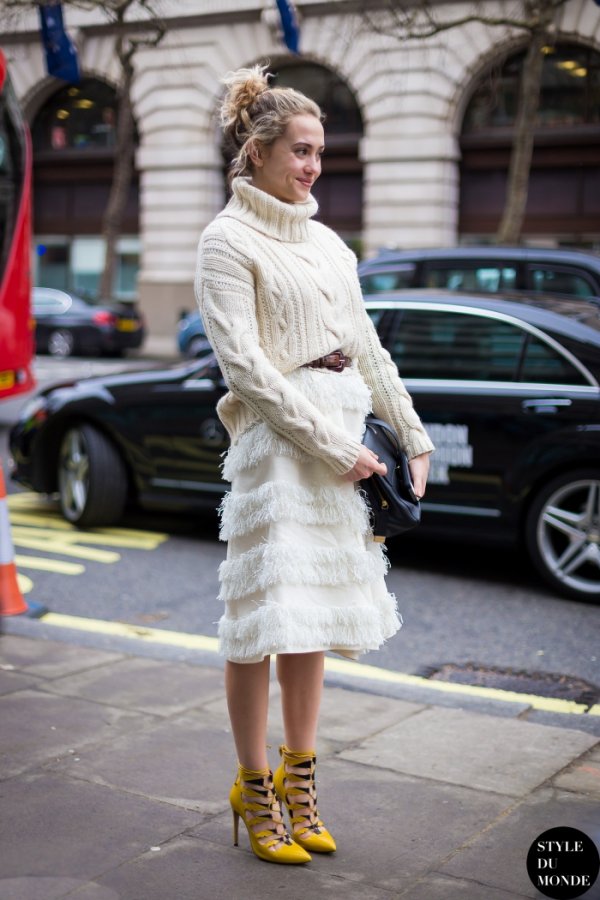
{"type": "Point", "coordinates": [305, 183]}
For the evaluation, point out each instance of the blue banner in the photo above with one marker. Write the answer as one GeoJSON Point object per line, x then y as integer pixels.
{"type": "Point", "coordinates": [289, 25]}
{"type": "Point", "coordinates": [61, 56]}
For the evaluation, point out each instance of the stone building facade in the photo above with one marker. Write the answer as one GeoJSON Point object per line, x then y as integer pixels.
{"type": "Point", "coordinates": [402, 172]}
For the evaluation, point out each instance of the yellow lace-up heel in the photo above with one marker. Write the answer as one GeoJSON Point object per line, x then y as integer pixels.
{"type": "Point", "coordinates": [254, 799]}
{"type": "Point", "coordinates": [295, 785]}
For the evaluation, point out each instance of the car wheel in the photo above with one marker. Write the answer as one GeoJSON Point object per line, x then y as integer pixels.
{"type": "Point", "coordinates": [197, 347]}
{"type": "Point", "coordinates": [563, 534]}
{"type": "Point", "coordinates": [92, 479]}
{"type": "Point", "coordinates": [61, 343]}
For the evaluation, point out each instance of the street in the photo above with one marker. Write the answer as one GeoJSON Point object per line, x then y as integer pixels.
{"type": "Point", "coordinates": [462, 605]}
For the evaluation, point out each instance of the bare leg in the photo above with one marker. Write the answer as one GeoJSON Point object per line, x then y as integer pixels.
{"type": "Point", "coordinates": [247, 687]}
{"type": "Point", "coordinates": [301, 678]}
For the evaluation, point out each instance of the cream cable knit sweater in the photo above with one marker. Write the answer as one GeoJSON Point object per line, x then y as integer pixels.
{"type": "Point", "coordinates": [277, 290]}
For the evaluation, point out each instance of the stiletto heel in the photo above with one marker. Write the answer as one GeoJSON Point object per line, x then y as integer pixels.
{"type": "Point", "coordinates": [294, 783]}
{"type": "Point", "coordinates": [236, 825]}
{"type": "Point", "coordinates": [254, 799]}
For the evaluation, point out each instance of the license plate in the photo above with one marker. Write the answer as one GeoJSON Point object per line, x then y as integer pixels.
{"type": "Point", "coordinates": [7, 380]}
{"type": "Point", "coordinates": [128, 325]}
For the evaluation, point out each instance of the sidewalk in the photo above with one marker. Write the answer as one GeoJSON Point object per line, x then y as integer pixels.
{"type": "Point", "coordinates": [116, 770]}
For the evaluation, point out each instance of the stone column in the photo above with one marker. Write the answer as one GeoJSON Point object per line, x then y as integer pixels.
{"type": "Point", "coordinates": [181, 190]}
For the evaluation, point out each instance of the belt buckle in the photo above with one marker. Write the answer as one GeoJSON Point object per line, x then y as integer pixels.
{"type": "Point", "coordinates": [341, 361]}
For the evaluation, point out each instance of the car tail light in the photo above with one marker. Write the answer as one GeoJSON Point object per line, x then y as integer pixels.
{"type": "Point", "coordinates": [104, 317]}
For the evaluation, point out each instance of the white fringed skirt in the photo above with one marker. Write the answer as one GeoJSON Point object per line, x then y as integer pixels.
{"type": "Point", "coordinates": [302, 572]}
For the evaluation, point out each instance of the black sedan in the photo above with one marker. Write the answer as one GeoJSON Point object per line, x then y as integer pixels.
{"type": "Point", "coordinates": [486, 269]}
{"type": "Point", "coordinates": [66, 325]}
{"type": "Point", "coordinates": [509, 392]}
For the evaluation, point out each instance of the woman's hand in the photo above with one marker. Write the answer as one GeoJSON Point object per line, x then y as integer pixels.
{"type": "Point", "coordinates": [419, 469]}
{"type": "Point", "coordinates": [365, 465]}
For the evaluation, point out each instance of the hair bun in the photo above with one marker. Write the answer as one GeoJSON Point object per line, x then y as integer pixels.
{"type": "Point", "coordinates": [243, 87]}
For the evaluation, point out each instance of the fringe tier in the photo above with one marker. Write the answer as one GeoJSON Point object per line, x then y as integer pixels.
{"type": "Point", "coordinates": [275, 501]}
{"type": "Point", "coordinates": [302, 572]}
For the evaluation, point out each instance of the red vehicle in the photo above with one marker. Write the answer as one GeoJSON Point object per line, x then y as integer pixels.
{"type": "Point", "coordinates": [16, 322]}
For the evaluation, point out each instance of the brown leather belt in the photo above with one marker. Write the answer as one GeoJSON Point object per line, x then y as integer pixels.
{"type": "Point", "coordinates": [336, 361]}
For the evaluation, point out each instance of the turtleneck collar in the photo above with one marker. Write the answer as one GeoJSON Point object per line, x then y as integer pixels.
{"type": "Point", "coordinates": [283, 221]}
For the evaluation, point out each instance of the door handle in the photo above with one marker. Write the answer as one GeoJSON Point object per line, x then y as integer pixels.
{"type": "Point", "coordinates": [545, 405]}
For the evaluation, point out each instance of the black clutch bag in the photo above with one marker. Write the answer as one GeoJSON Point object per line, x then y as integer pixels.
{"type": "Point", "coordinates": [391, 498]}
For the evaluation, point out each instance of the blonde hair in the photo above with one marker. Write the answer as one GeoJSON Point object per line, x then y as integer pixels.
{"type": "Point", "coordinates": [254, 113]}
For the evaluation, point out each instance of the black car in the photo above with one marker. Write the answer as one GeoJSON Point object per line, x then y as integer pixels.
{"type": "Point", "coordinates": [484, 269]}
{"type": "Point", "coordinates": [509, 392]}
{"type": "Point", "coordinates": [66, 325]}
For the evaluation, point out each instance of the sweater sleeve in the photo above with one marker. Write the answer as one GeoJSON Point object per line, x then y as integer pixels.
{"type": "Point", "coordinates": [225, 292]}
{"type": "Point", "coordinates": [391, 400]}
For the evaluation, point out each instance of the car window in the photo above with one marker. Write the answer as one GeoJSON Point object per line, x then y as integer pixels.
{"type": "Point", "coordinates": [452, 345]}
{"type": "Point", "coordinates": [543, 364]}
{"type": "Point", "coordinates": [481, 277]}
{"type": "Point", "coordinates": [395, 279]}
{"type": "Point", "coordinates": [547, 279]}
{"type": "Point", "coordinates": [50, 302]}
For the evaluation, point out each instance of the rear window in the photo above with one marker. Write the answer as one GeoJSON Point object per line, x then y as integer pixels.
{"type": "Point", "coordinates": [50, 302]}
{"type": "Point", "coordinates": [394, 279]}
{"type": "Point", "coordinates": [482, 278]}
{"type": "Point", "coordinates": [546, 279]}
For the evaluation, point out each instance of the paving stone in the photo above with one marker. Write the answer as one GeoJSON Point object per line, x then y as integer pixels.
{"type": "Point", "coordinates": [583, 776]}
{"type": "Point", "coordinates": [498, 857]}
{"type": "Point", "coordinates": [346, 716]}
{"type": "Point", "coordinates": [53, 824]}
{"type": "Point", "coordinates": [349, 716]}
{"type": "Point", "coordinates": [190, 869]}
{"type": "Point", "coordinates": [51, 659]}
{"type": "Point", "coordinates": [275, 733]}
{"type": "Point", "coordinates": [436, 887]}
{"type": "Point", "coordinates": [38, 726]}
{"type": "Point", "coordinates": [186, 761]}
{"type": "Point", "coordinates": [147, 685]}
{"type": "Point", "coordinates": [15, 681]}
{"type": "Point", "coordinates": [389, 828]}
{"type": "Point", "coordinates": [483, 752]}
{"type": "Point", "coordinates": [32, 888]}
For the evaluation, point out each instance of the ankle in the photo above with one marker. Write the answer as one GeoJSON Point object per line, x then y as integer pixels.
{"type": "Point", "coordinates": [248, 772]}
{"type": "Point", "coordinates": [296, 754]}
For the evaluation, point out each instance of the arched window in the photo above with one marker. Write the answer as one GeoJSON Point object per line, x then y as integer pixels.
{"type": "Point", "coordinates": [564, 186]}
{"type": "Point", "coordinates": [77, 118]}
{"type": "Point", "coordinates": [570, 92]}
{"type": "Point", "coordinates": [328, 90]}
{"type": "Point", "coordinates": [73, 137]}
{"type": "Point", "coordinates": [339, 190]}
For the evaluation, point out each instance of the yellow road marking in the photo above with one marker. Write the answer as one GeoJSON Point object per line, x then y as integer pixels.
{"type": "Point", "coordinates": [64, 548]}
{"type": "Point", "coordinates": [22, 498]}
{"type": "Point", "coordinates": [344, 667]}
{"type": "Point", "coordinates": [49, 565]}
{"type": "Point", "coordinates": [25, 583]}
{"type": "Point", "coordinates": [29, 518]}
{"type": "Point", "coordinates": [86, 537]}
{"type": "Point", "coordinates": [549, 704]}
{"type": "Point", "coordinates": [56, 522]}
{"type": "Point", "coordinates": [123, 629]}
{"type": "Point", "coordinates": [32, 507]}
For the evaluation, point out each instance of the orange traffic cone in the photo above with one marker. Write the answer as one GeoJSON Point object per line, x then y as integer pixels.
{"type": "Point", "coordinates": [11, 598]}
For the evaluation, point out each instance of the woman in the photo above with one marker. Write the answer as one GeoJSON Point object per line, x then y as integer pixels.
{"type": "Point", "coordinates": [283, 310]}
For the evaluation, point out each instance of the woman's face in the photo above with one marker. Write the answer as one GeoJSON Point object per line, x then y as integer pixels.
{"type": "Point", "coordinates": [288, 168]}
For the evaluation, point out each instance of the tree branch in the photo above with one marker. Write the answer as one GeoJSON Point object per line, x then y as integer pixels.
{"type": "Point", "coordinates": [418, 22]}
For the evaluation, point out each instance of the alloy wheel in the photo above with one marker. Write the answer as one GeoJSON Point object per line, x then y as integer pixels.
{"type": "Point", "coordinates": [568, 535]}
{"type": "Point", "coordinates": [61, 343]}
{"type": "Point", "coordinates": [73, 474]}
